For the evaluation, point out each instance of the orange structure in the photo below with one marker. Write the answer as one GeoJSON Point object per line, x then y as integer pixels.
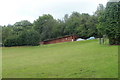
{"type": "Point", "coordinates": [61, 39]}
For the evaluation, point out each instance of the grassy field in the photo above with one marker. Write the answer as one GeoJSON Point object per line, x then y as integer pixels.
{"type": "Point", "coordinates": [81, 59]}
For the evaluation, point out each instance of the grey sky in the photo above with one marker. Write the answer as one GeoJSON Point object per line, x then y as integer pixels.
{"type": "Point", "coordinates": [12, 11]}
{"type": "Point", "coordinates": [114, 0]}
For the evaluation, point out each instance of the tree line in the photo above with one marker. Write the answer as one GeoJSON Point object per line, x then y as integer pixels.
{"type": "Point", "coordinates": [24, 33]}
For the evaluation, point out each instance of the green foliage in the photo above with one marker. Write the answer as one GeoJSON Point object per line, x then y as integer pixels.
{"type": "Point", "coordinates": [113, 22]}
{"type": "Point", "coordinates": [29, 37]}
{"type": "Point", "coordinates": [12, 41]}
{"type": "Point", "coordinates": [23, 23]}
{"type": "Point", "coordinates": [101, 20]}
{"type": "Point", "coordinates": [109, 22]}
{"type": "Point", "coordinates": [20, 36]}
{"type": "Point", "coordinates": [46, 26]}
{"type": "Point", "coordinates": [6, 32]}
{"type": "Point", "coordinates": [83, 25]}
{"type": "Point", "coordinates": [0, 35]}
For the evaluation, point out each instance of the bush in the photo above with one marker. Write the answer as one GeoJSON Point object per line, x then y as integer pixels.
{"type": "Point", "coordinates": [26, 38]}
{"type": "Point", "coordinates": [11, 41]}
{"type": "Point", "coordinates": [30, 37]}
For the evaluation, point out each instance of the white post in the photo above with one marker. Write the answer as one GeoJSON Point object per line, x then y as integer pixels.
{"type": "Point", "coordinates": [72, 40]}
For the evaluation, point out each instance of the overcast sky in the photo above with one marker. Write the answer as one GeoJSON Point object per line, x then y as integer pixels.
{"type": "Point", "coordinates": [12, 11]}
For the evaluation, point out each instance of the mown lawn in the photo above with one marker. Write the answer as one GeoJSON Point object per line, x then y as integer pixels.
{"type": "Point", "coordinates": [81, 59]}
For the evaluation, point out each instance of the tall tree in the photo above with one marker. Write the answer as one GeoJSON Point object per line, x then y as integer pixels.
{"type": "Point", "coordinates": [45, 25]}
{"type": "Point", "coordinates": [112, 27]}
{"type": "Point", "coordinates": [109, 22]}
{"type": "Point", "coordinates": [100, 12]}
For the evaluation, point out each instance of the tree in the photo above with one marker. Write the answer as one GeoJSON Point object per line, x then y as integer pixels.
{"type": "Point", "coordinates": [23, 23]}
{"type": "Point", "coordinates": [12, 41]}
{"type": "Point", "coordinates": [45, 25]}
{"type": "Point", "coordinates": [83, 25]}
{"type": "Point", "coordinates": [109, 22]}
{"type": "Point", "coordinates": [100, 10]}
{"type": "Point", "coordinates": [112, 28]}
{"type": "Point", "coordinates": [29, 37]}
{"type": "Point", "coordinates": [0, 35]}
{"type": "Point", "coordinates": [6, 32]}
{"type": "Point", "coordinates": [101, 20]}
{"type": "Point", "coordinates": [71, 23]}
{"type": "Point", "coordinates": [100, 17]}
{"type": "Point", "coordinates": [19, 36]}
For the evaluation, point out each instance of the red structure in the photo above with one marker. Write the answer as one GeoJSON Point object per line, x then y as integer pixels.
{"type": "Point", "coordinates": [61, 39]}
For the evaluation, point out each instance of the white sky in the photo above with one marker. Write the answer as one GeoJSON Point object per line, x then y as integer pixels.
{"type": "Point", "coordinates": [12, 11]}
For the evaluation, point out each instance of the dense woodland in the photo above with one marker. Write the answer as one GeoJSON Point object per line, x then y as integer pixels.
{"type": "Point", "coordinates": [105, 21]}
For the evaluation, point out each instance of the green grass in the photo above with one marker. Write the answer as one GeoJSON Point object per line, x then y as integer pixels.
{"type": "Point", "coordinates": [81, 59]}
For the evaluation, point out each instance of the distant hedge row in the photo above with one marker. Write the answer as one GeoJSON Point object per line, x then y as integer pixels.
{"type": "Point", "coordinates": [22, 38]}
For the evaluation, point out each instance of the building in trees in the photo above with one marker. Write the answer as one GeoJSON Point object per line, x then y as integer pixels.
{"type": "Point", "coordinates": [61, 39]}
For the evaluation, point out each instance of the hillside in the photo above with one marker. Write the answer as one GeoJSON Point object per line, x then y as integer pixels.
{"type": "Point", "coordinates": [81, 59]}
